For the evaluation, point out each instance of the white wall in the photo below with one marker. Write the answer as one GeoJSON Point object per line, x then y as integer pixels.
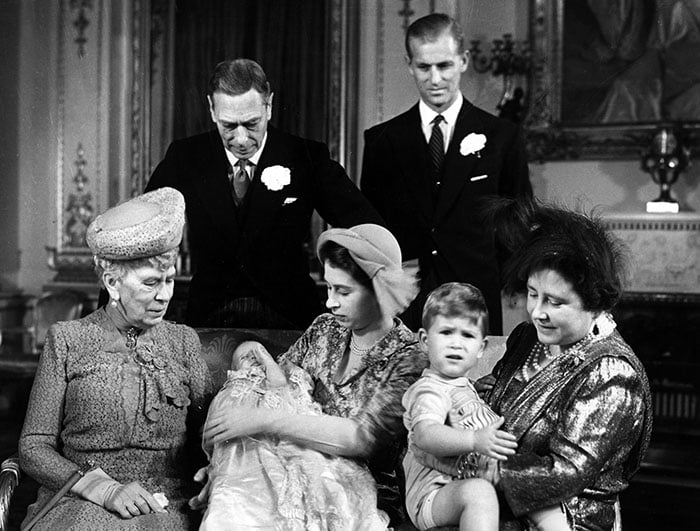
{"type": "Point", "coordinates": [613, 186]}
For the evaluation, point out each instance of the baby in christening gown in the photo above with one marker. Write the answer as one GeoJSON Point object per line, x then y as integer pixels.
{"type": "Point", "coordinates": [262, 482]}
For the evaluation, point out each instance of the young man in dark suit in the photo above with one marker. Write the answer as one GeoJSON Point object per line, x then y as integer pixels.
{"type": "Point", "coordinates": [427, 170]}
{"type": "Point", "coordinates": [250, 190]}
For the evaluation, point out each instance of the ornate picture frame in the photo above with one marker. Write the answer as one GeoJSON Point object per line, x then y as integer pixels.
{"type": "Point", "coordinates": [551, 132]}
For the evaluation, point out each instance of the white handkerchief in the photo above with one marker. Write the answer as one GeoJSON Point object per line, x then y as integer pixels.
{"type": "Point", "coordinates": [289, 200]}
{"type": "Point", "coordinates": [479, 178]}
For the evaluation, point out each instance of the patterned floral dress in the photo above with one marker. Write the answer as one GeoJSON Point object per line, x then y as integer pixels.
{"type": "Point", "coordinates": [370, 395]}
{"type": "Point", "coordinates": [127, 410]}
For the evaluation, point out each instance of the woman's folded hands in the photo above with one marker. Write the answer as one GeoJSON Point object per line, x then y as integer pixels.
{"type": "Point", "coordinates": [131, 500]}
{"type": "Point", "coordinates": [126, 500]}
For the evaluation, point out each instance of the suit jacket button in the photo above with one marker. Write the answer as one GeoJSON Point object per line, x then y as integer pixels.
{"type": "Point", "coordinates": [434, 252]}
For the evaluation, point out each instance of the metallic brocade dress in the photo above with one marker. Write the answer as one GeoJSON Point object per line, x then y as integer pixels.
{"type": "Point", "coordinates": [583, 425]}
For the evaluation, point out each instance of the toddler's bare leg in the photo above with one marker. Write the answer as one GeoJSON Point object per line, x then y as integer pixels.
{"type": "Point", "coordinates": [550, 519]}
{"type": "Point", "coordinates": [471, 503]}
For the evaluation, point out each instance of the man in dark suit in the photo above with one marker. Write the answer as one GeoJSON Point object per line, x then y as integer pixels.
{"type": "Point", "coordinates": [427, 170]}
{"type": "Point", "coordinates": [250, 191]}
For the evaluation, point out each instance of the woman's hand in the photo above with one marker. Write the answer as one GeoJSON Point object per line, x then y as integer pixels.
{"type": "Point", "coordinates": [131, 500]}
{"type": "Point", "coordinates": [201, 500]}
{"type": "Point", "coordinates": [236, 422]}
{"type": "Point", "coordinates": [492, 442]}
{"type": "Point", "coordinates": [484, 385]}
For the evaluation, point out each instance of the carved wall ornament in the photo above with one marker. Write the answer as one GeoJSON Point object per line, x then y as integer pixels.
{"type": "Point", "coordinates": [141, 50]}
{"type": "Point", "coordinates": [335, 103]}
{"type": "Point", "coordinates": [81, 23]}
{"type": "Point", "coordinates": [379, 63]}
{"type": "Point", "coordinates": [406, 12]}
{"type": "Point", "coordinates": [80, 210]}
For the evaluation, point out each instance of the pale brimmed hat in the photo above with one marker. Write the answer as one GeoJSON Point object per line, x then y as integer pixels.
{"type": "Point", "coordinates": [145, 226]}
{"type": "Point", "coordinates": [375, 250]}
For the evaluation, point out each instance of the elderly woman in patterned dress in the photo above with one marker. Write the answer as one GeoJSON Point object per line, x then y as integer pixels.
{"type": "Point", "coordinates": [118, 389]}
{"type": "Point", "coordinates": [361, 359]}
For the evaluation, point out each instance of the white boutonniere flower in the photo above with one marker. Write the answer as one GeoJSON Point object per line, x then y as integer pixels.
{"type": "Point", "coordinates": [276, 177]}
{"type": "Point", "coordinates": [473, 143]}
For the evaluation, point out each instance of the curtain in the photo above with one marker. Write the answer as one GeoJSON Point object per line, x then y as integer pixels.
{"type": "Point", "coordinates": [288, 38]}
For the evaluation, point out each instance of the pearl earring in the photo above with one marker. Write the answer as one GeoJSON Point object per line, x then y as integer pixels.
{"type": "Point", "coordinates": [114, 303]}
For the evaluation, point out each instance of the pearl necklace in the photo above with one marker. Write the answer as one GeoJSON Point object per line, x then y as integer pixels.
{"type": "Point", "coordinates": [359, 350]}
{"type": "Point", "coordinates": [362, 351]}
{"type": "Point", "coordinates": [538, 351]}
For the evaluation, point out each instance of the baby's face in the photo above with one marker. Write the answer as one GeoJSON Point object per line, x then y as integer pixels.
{"type": "Point", "coordinates": [244, 359]}
{"type": "Point", "coordinates": [453, 344]}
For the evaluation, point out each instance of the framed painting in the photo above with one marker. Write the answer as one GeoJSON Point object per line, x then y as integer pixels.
{"type": "Point", "coordinates": [607, 74]}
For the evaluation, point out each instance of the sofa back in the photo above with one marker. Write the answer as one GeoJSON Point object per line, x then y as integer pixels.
{"type": "Point", "coordinates": [218, 345]}
{"type": "Point", "coordinates": [495, 348]}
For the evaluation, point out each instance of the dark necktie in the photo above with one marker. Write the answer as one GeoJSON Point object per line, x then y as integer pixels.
{"type": "Point", "coordinates": [436, 145]}
{"type": "Point", "coordinates": [240, 181]}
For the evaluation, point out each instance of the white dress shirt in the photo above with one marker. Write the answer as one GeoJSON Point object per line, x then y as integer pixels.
{"type": "Point", "coordinates": [427, 115]}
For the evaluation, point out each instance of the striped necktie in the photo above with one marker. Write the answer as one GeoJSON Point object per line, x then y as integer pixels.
{"type": "Point", "coordinates": [436, 145]}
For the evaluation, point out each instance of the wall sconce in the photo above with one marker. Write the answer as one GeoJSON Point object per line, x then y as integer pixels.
{"type": "Point", "coordinates": [510, 59]}
{"type": "Point", "coordinates": [665, 159]}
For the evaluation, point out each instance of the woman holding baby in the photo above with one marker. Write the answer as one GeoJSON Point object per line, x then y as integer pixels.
{"type": "Point", "coordinates": [360, 357]}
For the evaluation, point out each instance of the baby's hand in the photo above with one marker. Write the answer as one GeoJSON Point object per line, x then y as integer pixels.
{"type": "Point", "coordinates": [492, 442]}
{"type": "Point", "coordinates": [250, 352]}
{"type": "Point", "coordinates": [253, 352]}
{"type": "Point", "coordinates": [200, 501]}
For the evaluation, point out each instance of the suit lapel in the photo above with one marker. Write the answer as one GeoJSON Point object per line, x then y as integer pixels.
{"type": "Point", "coordinates": [261, 204]}
{"type": "Point", "coordinates": [410, 150]}
{"type": "Point", "coordinates": [214, 189]}
{"type": "Point", "coordinates": [456, 167]}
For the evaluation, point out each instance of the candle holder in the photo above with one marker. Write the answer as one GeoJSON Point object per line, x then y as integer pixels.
{"type": "Point", "coordinates": [665, 160]}
{"type": "Point", "coordinates": [510, 59]}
